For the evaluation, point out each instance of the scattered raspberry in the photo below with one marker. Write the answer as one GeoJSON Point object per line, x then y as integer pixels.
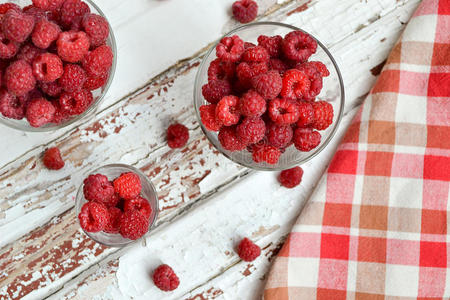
{"type": "Point", "coordinates": [98, 188]}
{"type": "Point", "coordinates": [248, 251]}
{"type": "Point", "coordinates": [245, 71]}
{"type": "Point", "coordinates": [306, 114]}
{"type": "Point", "coordinates": [315, 80]}
{"type": "Point", "coordinates": [8, 48]}
{"type": "Point", "coordinates": [298, 46]}
{"type": "Point", "coordinates": [72, 11]}
{"type": "Point", "coordinates": [96, 28]}
{"type": "Point", "coordinates": [93, 216]}
{"type": "Point", "coordinates": [128, 185]}
{"type": "Point", "coordinates": [208, 117]}
{"type": "Point", "coordinates": [10, 106]}
{"type": "Point", "coordinates": [47, 67]}
{"type": "Point", "coordinates": [283, 111]}
{"type": "Point", "coordinates": [77, 102]}
{"type": "Point", "coordinates": [230, 49]}
{"type": "Point", "coordinates": [140, 204]}
{"type": "Point", "coordinates": [52, 89]}
{"type": "Point", "coordinates": [320, 67]}
{"type": "Point", "coordinates": [93, 83]}
{"type": "Point", "coordinates": [73, 78]}
{"type": "Point", "coordinates": [279, 136]}
{"type": "Point", "coordinates": [251, 130]}
{"type": "Point", "coordinates": [266, 153]}
{"type": "Point", "coordinates": [177, 136]}
{"type": "Point", "coordinates": [113, 224]}
{"type": "Point", "coordinates": [44, 33]}
{"type": "Point", "coordinates": [133, 224]}
{"type": "Point", "coordinates": [229, 140]}
{"type": "Point", "coordinates": [295, 84]}
{"type": "Point", "coordinates": [4, 7]}
{"type": "Point", "coordinates": [323, 115]}
{"type": "Point", "coordinates": [165, 278]}
{"type": "Point", "coordinates": [98, 61]}
{"type": "Point", "coordinates": [271, 44]}
{"type": "Point", "coordinates": [227, 110]}
{"type": "Point", "coordinates": [252, 104]}
{"type": "Point", "coordinates": [215, 90]}
{"type": "Point", "coordinates": [19, 78]}
{"type": "Point", "coordinates": [245, 11]}
{"type": "Point", "coordinates": [291, 178]}
{"type": "Point", "coordinates": [268, 85]}
{"type": "Point", "coordinates": [278, 65]}
{"type": "Point", "coordinates": [72, 46]}
{"type": "Point", "coordinates": [29, 52]}
{"type": "Point", "coordinates": [52, 159]}
{"type": "Point", "coordinates": [256, 54]}
{"type": "Point", "coordinates": [17, 26]}
{"type": "Point", "coordinates": [305, 139]}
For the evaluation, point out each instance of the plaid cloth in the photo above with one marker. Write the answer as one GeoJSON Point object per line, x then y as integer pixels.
{"type": "Point", "coordinates": [377, 225]}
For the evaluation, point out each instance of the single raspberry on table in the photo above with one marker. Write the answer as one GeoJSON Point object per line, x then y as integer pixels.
{"type": "Point", "coordinates": [230, 49]}
{"type": "Point", "coordinates": [256, 54]}
{"type": "Point", "coordinates": [266, 153]}
{"type": "Point", "coordinates": [19, 78]}
{"type": "Point", "coordinates": [45, 33]}
{"type": "Point", "coordinates": [52, 159]}
{"type": "Point", "coordinates": [296, 84]}
{"type": "Point", "coordinates": [40, 112]}
{"type": "Point", "coordinates": [252, 104]}
{"type": "Point", "coordinates": [133, 224]}
{"type": "Point", "coordinates": [315, 80]}
{"type": "Point", "coordinates": [306, 114]}
{"type": "Point", "coordinates": [17, 26]}
{"type": "Point", "coordinates": [323, 115]}
{"type": "Point", "coordinates": [279, 135]}
{"type": "Point", "coordinates": [140, 204]}
{"type": "Point", "coordinates": [113, 224]}
{"type": "Point", "coordinates": [298, 46]}
{"type": "Point", "coordinates": [305, 139]}
{"type": "Point", "coordinates": [72, 46]}
{"type": "Point", "coordinates": [93, 216]}
{"type": "Point", "coordinates": [4, 7]}
{"type": "Point", "coordinates": [10, 106]}
{"type": "Point", "coordinates": [227, 110]}
{"type": "Point", "coordinates": [98, 61]}
{"type": "Point", "coordinates": [73, 78]}
{"type": "Point", "coordinates": [272, 44]}
{"type": "Point", "coordinates": [76, 103]}
{"type": "Point", "coordinates": [128, 185]}
{"type": "Point", "coordinates": [246, 71]}
{"type": "Point", "coordinates": [283, 111]}
{"type": "Point", "coordinates": [98, 188]}
{"type": "Point", "coordinates": [291, 178]}
{"type": "Point", "coordinates": [165, 278]}
{"type": "Point", "coordinates": [247, 250]}
{"type": "Point", "coordinates": [96, 28]}
{"type": "Point", "coordinates": [268, 85]}
{"type": "Point", "coordinates": [72, 11]}
{"type": "Point", "coordinates": [251, 130]}
{"type": "Point", "coordinates": [8, 48]}
{"type": "Point", "coordinates": [320, 67]}
{"type": "Point", "coordinates": [48, 5]}
{"type": "Point", "coordinates": [95, 82]}
{"type": "Point", "coordinates": [47, 67]}
{"type": "Point", "coordinates": [215, 90]}
{"type": "Point", "coordinates": [52, 89]}
{"type": "Point", "coordinates": [177, 136]}
{"type": "Point", "coordinates": [29, 52]}
{"type": "Point", "coordinates": [229, 140]}
{"type": "Point", "coordinates": [244, 11]}
{"type": "Point", "coordinates": [208, 117]}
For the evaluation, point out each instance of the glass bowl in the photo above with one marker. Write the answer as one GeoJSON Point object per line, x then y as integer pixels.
{"type": "Point", "coordinates": [98, 94]}
{"type": "Point", "coordinates": [148, 192]}
{"type": "Point", "coordinates": [332, 92]}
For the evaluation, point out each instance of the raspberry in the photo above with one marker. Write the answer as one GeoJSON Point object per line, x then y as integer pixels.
{"type": "Point", "coordinates": [44, 33]}
{"type": "Point", "coordinates": [29, 52]}
{"type": "Point", "coordinates": [8, 48]}
{"type": "Point", "coordinates": [40, 112]}
{"type": "Point", "coordinates": [230, 49]}
{"type": "Point", "coordinates": [72, 11]}
{"type": "Point", "coordinates": [306, 114]}
{"type": "Point", "coordinates": [268, 85]}
{"type": "Point", "coordinates": [279, 136]}
{"type": "Point", "coordinates": [4, 7]}
{"type": "Point", "coordinates": [298, 46]}
{"type": "Point", "coordinates": [133, 224]}
{"type": "Point", "coordinates": [165, 278]}
{"type": "Point", "coordinates": [227, 110]}
{"type": "Point", "coordinates": [278, 65]}
{"type": "Point", "coordinates": [113, 224]}
{"type": "Point", "coordinates": [10, 106]}
{"type": "Point", "coordinates": [96, 28]}
{"type": "Point", "coordinates": [208, 117]}
{"type": "Point", "coordinates": [72, 46]}
{"type": "Point", "coordinates": [52, 89]}
{"type": "Point", "coordinates": [19, 78]}
{"type": "Point", "coordinates": [215, 70]}
{"type": "Point", "coordinates": [98, 188]}
{"type": "Point", "coordinates": [113, 201]}
{"type": "Point", "coordinates": [128, 185]}
{"type": "Point", "coordinates": [73, 78]}
{"type": "Point", "coordinates": [256, 54]}
{"type": "Point", "coordinates": [291, 178]}
{"type": "Point", "coordinates": [245, 71]}
{"type": "Point", "coordinates": [77, 102]}
{"type": "Point", "coordinates": [177, 136]}
{"type": "Point", "coordinates": [283, 111]}
{"type": "Point", "coordinates": [305, 139]}
{"type": "Point", "coordinates": [245, 11]}
{"type": "Point", "coordinates": [252, 104]}
{"type": "Point", "coordinates": [295, 84]}
{"type": "Point", "coordinates": [215, 90]}
{"type": "Point", "coordinates": [271, 44]}
{"type": "Point", "coordinates": [48, 5]}
{"type": "Point", "coordinates": [17, 26]}
{"type": "Point", "coordinates": [52, 159]}
{"type": "Point", "coordinates": [35, 12]}
{"type": "Point", "coordinates": [251, 130]}
{"type": "Point", "coordinates": [247, 250]}
{"type": "Point", "coordinates": [320, 67]}
{"type": "Point", "coordinates": [47, 67]}
{"type": "Point", "coordinates": [98, 61]}
{"type": "Point", "coordinates": [323, 115]}
{"type": "Point", "coordinates": [248, 45]}
{"type": "Point", "coordinates": [266, 153]}
{"type": "Point", "coordinates": [140, 204]}
{"type": "Point", "coordinates": [229, 140]}
{"type": "Point", "coordinates": [61, 115]}
{"type": "Point", "coordinates": [315, 80]}
{"type": "Point", "coordinates": [93, 83]}
{"type": "Point", "coordinates": [93, 216]}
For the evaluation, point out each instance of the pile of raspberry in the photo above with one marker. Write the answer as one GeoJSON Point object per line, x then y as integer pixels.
{"type": "Point", "coordinates": [53, 54]}
{"type": "Point", "coordinates": [115, 206]}
{"type": "Point", "coordinates": [262, 98]}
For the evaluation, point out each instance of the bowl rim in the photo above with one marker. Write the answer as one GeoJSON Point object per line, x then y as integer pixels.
{"type": "Point", "coordinates": [112, 39]}
{"type": "Point", "coordinates": [80, 195]}
{"type": "Point", "coordinates": [297, 162]}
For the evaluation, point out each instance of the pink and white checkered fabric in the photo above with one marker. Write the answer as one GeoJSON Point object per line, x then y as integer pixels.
{"type": "Point", "coordinates": [377, 226]}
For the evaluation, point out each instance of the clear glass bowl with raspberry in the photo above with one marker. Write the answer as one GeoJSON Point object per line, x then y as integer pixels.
{"type": "Point", "coordinates": [244, 94]}
{"type": "Point", "coordinates": [147, 192]}
{"type": "Point", "coordinates": [98, 84]}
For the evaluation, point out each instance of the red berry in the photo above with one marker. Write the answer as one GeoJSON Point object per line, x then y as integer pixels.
{"type": "Point", "coordinates": [165, 278]}
{"type": "Point", "coordinates": [320, 67]}
{"type": "Point", "coordinates": [4, 7]}
{"type": "Point", "coordinates": [283, 111]}
{"type": "Point", "coordinates": [77, 102]}
{"type": "Point", "coordinates": [113, 224]}
{"type": "Point", "coordinates": [48, 5]}
{"type": "Point", "coordinates": [47, 67]}
{"type": "Point", "coordinates": [271, 44]}
{"type": "Point", "coordinates": [52, 159]}
{"type": "Point", "coordinates": [93, 216]}
{"type": "Point", "coordinates": [306, 114]}
{"type": "Point", "coordinates": [229, 140]}
{"type": "Point", "coordinates": [227, 111]}
{"type": "Point", "coordinates": [17, 26]}
{"type": "Point", "coordinates": [248, 45]}
{"type": "Point", "coordinates": [208, 117]}
{"type": "Point", "coordinates": [8, 48]}
{"type": "Point", "coordinates": [278, 135]}
{"type": "Point", "coordinates": [45, 33]}
{"type": "Point", "coordinates": [29, 52]}
{"type": "Point", "coordinates": [278, 65]}
{"type": "Point", "coordinates": [93, 83]}
{"type": "Point", "coordinates": [296, 84]}
{"type": "Point", "coordinates": [96, 28]}
{"type": "Point", "coordinates": [252, 104]}
{"type": "Point", "coordinates": [35, 12]}
{"type": "Point", "coordinates": [268, 85]}
{"type": "Point", "coordinates": [266, 153]}
{"type": "Point", "coordinates": [73, 78]}
{"type": "Point", "coordinates": [40, 112]}
{"type": "Point", "coordinates": [323, 115]}
{"type": "Point", "coordinates": [291, 178]}
{"type": "Point", "coordinates": [19, 78]}
{"type": "Point", "coordinates": [215, 90]}
{"type": "Point", "coordinates": [72, 11]}
{"type": "Point", "coordinates": [245, 71]}
{"type": "Point", "coordinates": [52, 89]}
{"type": "Point", "coordinates": [133, 224]}
{"type": "Point", "coordinates": [221, 70]}
{"type": "Point", "coordinates": [61, 115]}
{"type": "Point", "coordinates": [177, 136]}
{"type": "Point", "coordinates": [298, 46]}
{"type": "Point", "coordinates": [315, 80]}
{"type": "Point", "coordinates": [245, 11]}
{"type": "Point", "coordinates": [248, 251]}
{"type": "Point", "coordinates": [10, 106]}
{"type": "Point", "coordinates": [98, 61]}
{"type": "Point", "coordinates": [140, 204]}
{"type": "Point", "coordinates": [251, 130]}
{"type": "Point", "coordinates": [72, 46]}
{"type": "Point", "coordinates": [98, 188]}
{"type": "Point", "coordinates": [305, 139]}
{"type": "Point", "coordinates": [230, 49]}
{"type": "Point", "coordinates": [256, 54]}
{"type": "Point", "coordinates": [128, 185]}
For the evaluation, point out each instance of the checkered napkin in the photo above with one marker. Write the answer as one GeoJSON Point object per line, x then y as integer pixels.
{"type": "Point", "coordinates": [377, 226]}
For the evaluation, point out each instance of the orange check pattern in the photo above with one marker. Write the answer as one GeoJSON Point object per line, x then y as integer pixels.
{"type": "Point", "coordinates": [377, 226]}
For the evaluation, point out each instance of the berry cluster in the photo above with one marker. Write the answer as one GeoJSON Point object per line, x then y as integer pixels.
{"type": "Point", "coordinates": [53, 54]}
{"type": "Point", "coordinates": [115, 207]}
{"type": "Point", "coordinates": [263, 97]}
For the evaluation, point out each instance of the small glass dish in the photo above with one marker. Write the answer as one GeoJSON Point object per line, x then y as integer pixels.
{"type": "Point", "coordinates": [148, 192]}
{"type": "Point", "coordinates": [98, 94]}
{"type": "Point", "coordinates": [332, 92]}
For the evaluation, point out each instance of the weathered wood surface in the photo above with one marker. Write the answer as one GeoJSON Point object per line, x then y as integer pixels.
{"type": "Point", "coordinates": [207, 203]}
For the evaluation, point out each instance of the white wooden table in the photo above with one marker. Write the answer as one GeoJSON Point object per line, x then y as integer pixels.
{"type": "Point", "coordinates": [207, 203]}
